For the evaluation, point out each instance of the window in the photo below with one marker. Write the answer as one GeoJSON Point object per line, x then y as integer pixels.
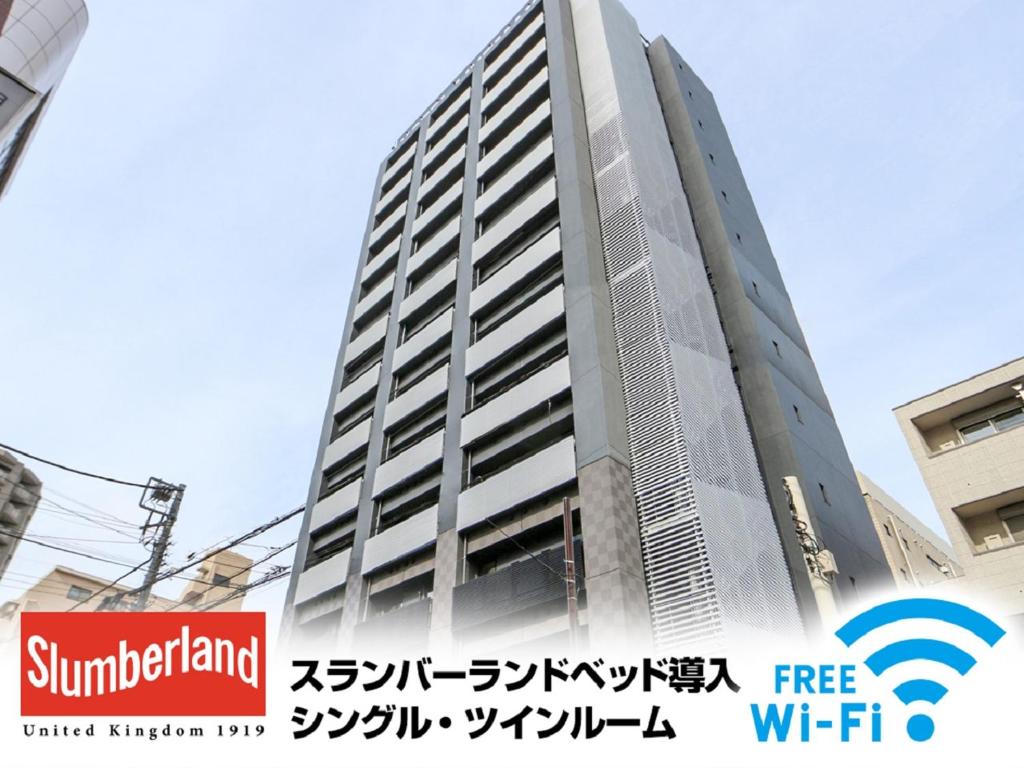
{"type": "Point", "coordinates": [824, 494]}
{"type": "Point", "coordinates": [799, 417]}
{"type": "Point", "coordinates": [220, 580]}
{"type": "Point", "coordinates": [711, 157]}
{"type": "Point", "coordinates": [904, 573]}
{"type": "Point", "coordinates": [689, 93]}
{"type": "Point", "coordinates": [756, 291]}
{"type": "Point", "coordinates": [78, 593]}
{"type": "Point", "coordinates": [1013, 518]}
{"type": "Point", "coordinates": [700, 125]}
{"type": "Point", "coordinates": [778, 351]}
{"type": "Point", "coordinates": [725, 196]}
{"type": "Point", "coordinates": [738, 238]}
{"type": "Point", "coordinates": [887, 531]}
{"type": "Point", "coordinates": [1009, 418]}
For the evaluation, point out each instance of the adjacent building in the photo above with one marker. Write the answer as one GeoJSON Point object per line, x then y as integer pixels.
{"type": "Point", "coordinates": [916, 556]}
{"type": "Point", "coordinates": [967, 443]}
{"type": "Point", "coordinates": [20, 491]}
{"type": "Point", "coordinates": [37, 40]}
{"type": "Point", "coordinates": [218, 583]}
{"type": "Point", "coordinates": [217, 586]}
{"type": "Point", "coordinates": [565, 301]}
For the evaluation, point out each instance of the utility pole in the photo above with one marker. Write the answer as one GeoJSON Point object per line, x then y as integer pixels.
{"type": "Point", "coordinates": [164, 501]}
{"type": "Point", "coordinates": [820, 563]}
{"type": "Point", "coordinates": [570, 572]}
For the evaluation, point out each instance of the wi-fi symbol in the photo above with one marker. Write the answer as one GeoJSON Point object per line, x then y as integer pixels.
{"type": "Point", "coordinates": [920, 727]}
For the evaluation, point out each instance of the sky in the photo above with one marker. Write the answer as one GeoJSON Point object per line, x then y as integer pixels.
{"type": "Point", "coordinates": [178, 249]}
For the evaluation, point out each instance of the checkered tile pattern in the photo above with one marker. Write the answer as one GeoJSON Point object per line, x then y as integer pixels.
{"type": "Point", "coordinates": [615, 587]}
{"type": "Point", "coordinates": [446, 565]}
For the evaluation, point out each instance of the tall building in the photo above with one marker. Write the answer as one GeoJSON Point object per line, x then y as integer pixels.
{"type": "Point", "coordinates": [552, 306]}
{"type": "Point", "coordinates": [968, 445]}
{"type": "Point", "coordinates": [37, 40]}
{"type": "Point", "coordinates": [916, 556]}
{"type": "Point", "coordinates": [19, 497]}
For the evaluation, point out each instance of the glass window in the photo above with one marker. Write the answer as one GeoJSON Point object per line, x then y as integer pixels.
{"type": "Point", "coordinates": [78, 593]}
{"type": "Point", "coordinates": [977, 431]}
{"type": "Point", "coordinates": [1013, 518]}
{"type": "Point", "coordinates": [1009, 419]}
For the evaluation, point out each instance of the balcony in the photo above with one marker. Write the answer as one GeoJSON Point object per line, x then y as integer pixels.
{"type": "Point", "coordinates": [347, 444]}
{"type": "Point", "coordinates": [535, 258]}
{"type": "Point", "coordinates": [499, 90]}
{"type": "Point", "coordinates": [421, 395]}
{"type": "Point", "coordinates": [323, 577]}
{"type": "Point", "coordinates": [439, 282]}
{"type": "Point", "coordinates": [357, 389]}
{"type": "Point", "coordinates": [399, 165]}
{"type": "Point", "coordinates": [531, 89]}
{"type": "Point", "coordinates": [514, 47]}
{"type": "Point", "coordinates": [458, 103]}
{"type": "Point", "coordinates": [377, 264]}
{"type": "Point", "coordinates": [532, 477]}
{"type": "Point", "coordinates": [518, 174]}
{"type": "Point", "coordinates": [401, 540]}
{"type": "Point", "coordinates": [516, 331]}
{"type": "Point", "coordinates": [443, 144]}
{"type": "Point", "coordinates": [341, 502]}
{"type": "Point", "coordinates": [539, 388]}
{"type": "Point", "coordinates": [448, 201]}
{"type": "Point", "coordinates": [442, 240]}
{"type": "Point", "coordinates": [389, 197]}
{"type": "Point", "coordinates": [374, 298]}
{"type": "Point", "coordinates": [428, 185]}
{"type": "Point", "coordinates": [522, 587]}
{"type": "Point", "coordinates": [406, 628]}
{"type": "Point", "coordinates": [516, 220]}
{"type": "Point", "coordinates": [437, 331]}
{"type": "Point", "coordinates": [366, 340]}
{"type": "Point", "coordinates": [409, 463]}
{"type": "Point", "coordinates": [510, 143]}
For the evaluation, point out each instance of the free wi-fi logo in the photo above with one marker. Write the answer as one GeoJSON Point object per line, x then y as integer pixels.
{"type": "Point", "coordinates": [920, 726]}
{"type": "Point", "coordinates": [918, 645]}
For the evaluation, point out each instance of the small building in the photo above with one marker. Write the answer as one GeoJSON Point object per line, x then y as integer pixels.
{"type": "Point", "coordinates": [967, 442]}
{"type": "Point", "coordinates": [917, 556]}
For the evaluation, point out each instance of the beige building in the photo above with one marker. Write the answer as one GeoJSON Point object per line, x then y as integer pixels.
{"type": "Point", "coordinates": [19, 496]}
{"type": "Point", "coordinates": [65, 588]}
{"type": "Point", "coordinates": [220, 576]}
{"type": "Point", "coordinates": [967, 444]}
{"type": "Point", "coordinates": [916, 556]}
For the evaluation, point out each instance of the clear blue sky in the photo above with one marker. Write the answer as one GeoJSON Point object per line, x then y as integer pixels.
{"type": "Point", "coordinates": [179, 247]}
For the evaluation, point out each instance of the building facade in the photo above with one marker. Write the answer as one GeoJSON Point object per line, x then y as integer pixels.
{"type": "Point", "coordinates": [967, 443]}
{"type": "Point", "coordinates": [535, 326]}
{"type": "Point", "coordinates": [916, 556]}
{"type": "Point", "coordinates": [37, 40]}
{"type": "Point", "coordinates": [215, 587]}
{"type": "Point", "coordinates": [20, 490]}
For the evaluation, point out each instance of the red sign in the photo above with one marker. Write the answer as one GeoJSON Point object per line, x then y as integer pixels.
{"type": "Point", "coordinates": [187, 664]}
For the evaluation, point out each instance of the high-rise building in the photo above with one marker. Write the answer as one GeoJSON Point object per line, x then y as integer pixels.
{"type": "Point", "coordinates": [553, 307]}
{"type": "Point", "coordinates": [916, 556]}
{"type": "Point", "coordinates": [19, 497]}
{"type": "Point", "coordinates": [37, 40]}
{"type": "Point", "coordinates": [967, 442]}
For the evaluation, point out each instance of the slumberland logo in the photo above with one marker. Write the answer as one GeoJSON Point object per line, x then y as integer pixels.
{"type": "Point", "coordinates": [181, 664]}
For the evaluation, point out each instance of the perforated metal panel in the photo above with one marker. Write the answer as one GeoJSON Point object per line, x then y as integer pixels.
{"type": "Point", "coordinates": [712, 556]}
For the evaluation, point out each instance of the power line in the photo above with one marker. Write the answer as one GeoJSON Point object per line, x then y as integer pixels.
{"type": "Point", "coordinates": [66, 468]}
{"type": "Point", "coordinates": [114, 583]}
{"type": "Point", "coordinates": [269, 579]}
{"type": "Point", "coordinates": [237, 573]}
{"type": "Point", "coordinates": [20, 537]}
